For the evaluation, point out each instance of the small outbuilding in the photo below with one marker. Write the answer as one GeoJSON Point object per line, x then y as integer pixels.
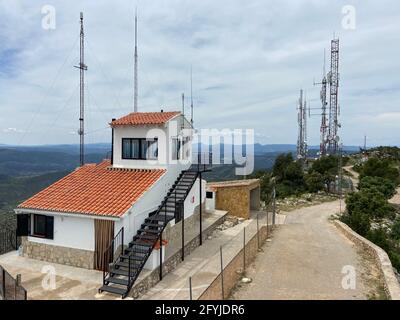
{"type": "Point", "coordinates": [238, 197]}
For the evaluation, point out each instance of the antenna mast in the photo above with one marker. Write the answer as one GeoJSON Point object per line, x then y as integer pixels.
{"type": "Point", "coordinates": [324, 126]}
{"type": "Point", "coordinates": [191, 96]}
{"type": "Point", "coordinates": [135, 71]}
{"type": "Point", "coordinates": [300, 123]}
{"type": "Point", "coordinates": [82, 67]}
{"type": "Point", "coordinates": [333, 79]}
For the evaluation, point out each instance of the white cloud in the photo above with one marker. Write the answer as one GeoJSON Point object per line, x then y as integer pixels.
{"type": "Point", "coordinates": [250, 58]}
{"type": "Point", "coordinates": [13, 130]}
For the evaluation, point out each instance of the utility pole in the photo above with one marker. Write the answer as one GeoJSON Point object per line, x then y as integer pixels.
{"type": "Point", "coordinates": [340, 176]}
{"type": "Point", "coordinates": [135, 71]}
{"type": "Point", "coordinates": [82, 67]}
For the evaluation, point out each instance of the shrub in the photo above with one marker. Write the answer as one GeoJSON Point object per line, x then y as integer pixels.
{"type": "Point", "coordinates": [395, 232]}
{"type": "Point", "coordinates": [380, 168]}
{"type": "Point", "coordinates": [386, 187]}
{"type": "Point", "coordinates": [370, 202]}
{"type": "Point", "coordinates": [357, 221]}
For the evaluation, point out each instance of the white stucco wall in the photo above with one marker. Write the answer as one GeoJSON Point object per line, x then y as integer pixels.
{"type": "Point", "coordinates": [164, 133]}
{"type": "Point", "coordinates": [193, 198]}
{"type": "Point", "coordinates": [71, 232]}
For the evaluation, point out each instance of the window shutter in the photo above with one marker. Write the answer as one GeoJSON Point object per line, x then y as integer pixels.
{"type": "Point", "coordinates": [49, 227]}
{"type": "Point", "coordinates": [23, 225]}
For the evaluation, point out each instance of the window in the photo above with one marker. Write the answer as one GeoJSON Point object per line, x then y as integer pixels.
{"type": "Point", "coordinates": [139, 149]}
{"type": "Point", "coordinates": [176, 148]}
{"type": "Point", "coordinates": [43, 226]}
{"type": "Point", "coordinates": [209, 195]}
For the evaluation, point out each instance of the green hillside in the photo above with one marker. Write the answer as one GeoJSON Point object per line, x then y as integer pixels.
{"type": "Point", "coordinates": [13, 190]}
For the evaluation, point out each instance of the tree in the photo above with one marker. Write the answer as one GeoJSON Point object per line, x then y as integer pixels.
{"type": "Point", "coordinates": [386, 187]}
{"type": "Point", "coordinates": [280, 166]}
{"type": "Point", "coordinates": [314, 182]}
{"type": "Point", "coordinates": [289, 176]}
{"type": "Point", "coordinates": [327, 167]}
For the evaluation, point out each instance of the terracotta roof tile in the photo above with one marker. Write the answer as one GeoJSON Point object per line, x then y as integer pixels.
{"type": "Point", "coordinates": [95, 190]}
{"type": "Point", "coordinates": [145, 118]}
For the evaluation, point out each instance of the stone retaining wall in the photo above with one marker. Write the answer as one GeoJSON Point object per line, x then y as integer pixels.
{"type": "Point", "coordinates": [56, 254]}
{"type": "Point", "coordinates": [392, 286]}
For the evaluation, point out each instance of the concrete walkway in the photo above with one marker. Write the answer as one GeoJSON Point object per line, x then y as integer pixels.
{"type": "Point", "coordinates": [305, 260]}
{"type": "Point", "coordinates": [203, 265]}
{"type": "Point", "coordinates": [70, 283]}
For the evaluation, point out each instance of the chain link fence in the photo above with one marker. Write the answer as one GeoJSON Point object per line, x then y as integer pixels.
{"type": "Point", "coordinates": [233, 259]}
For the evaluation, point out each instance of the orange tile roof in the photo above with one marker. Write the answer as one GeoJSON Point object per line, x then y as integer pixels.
{"type": "Point", "coordinates": [145, 118]}
{"type": "Point", "coordinates": [95, 189]}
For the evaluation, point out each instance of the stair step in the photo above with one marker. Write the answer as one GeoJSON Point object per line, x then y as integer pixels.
{"type": "Point", "coordinates": [154, 225]}
{"type": "Point", "coordinates": [141, 243]}
{"type": "Point", "coordinates": [132, 257]}
{"type": "Point", "coordinates": [159, 217]}
{"type": "Point", "coordinates": [122, 282]}
{"type": "Point", "coordinates": [146, 237]}
{"type": "Point", "coordinates": [134, 250]}
{"type": "Point", "coordinates": [126, 264]}
{"type": "Point", "coordinates": [121, 272]}
{"type": "Point", "coordinates": [149, 231]}
{"type": "Point", "coordinates": [114, 290]}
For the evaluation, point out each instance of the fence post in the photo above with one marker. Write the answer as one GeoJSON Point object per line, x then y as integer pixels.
{"type": "Point", "coordinates": [182, 214]}
{"type": "Point", "coordinates": [258, 233]}
{"type": "Point", "coordinates": [190, 288]}
{"type": "Point", "coordinates": [3, 289]}
{"type": "Point", "coordinates": [244, 249]}
{"type": "Point", "coordinates": [161, 256]}
{"type": "Point", "coordinates": [222, 274]}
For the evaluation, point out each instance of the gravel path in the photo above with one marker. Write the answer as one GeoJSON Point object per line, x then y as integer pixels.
{"type": "Point", "coordinates": [305, 260]}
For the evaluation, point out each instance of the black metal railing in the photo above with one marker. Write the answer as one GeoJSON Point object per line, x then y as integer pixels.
{"type": "Point", "coordinates": [112, 253]}
{"type": "Point", "coordinates": [10, 288]}
{"type": "Point", "coordinates": [8, 240]}
{"type": "Point", "coordinates": [201, 161]}
{"type": "Point", "coordinates": [178, 203]}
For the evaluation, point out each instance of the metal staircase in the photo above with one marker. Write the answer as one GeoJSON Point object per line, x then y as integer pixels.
{"type": "Point", "coordinates": [124, 263]}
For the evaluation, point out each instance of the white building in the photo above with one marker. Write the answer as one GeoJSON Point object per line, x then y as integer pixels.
{"type": "Point", "coordinates": [75, 220]}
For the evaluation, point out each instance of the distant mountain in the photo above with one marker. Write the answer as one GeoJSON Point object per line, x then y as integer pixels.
{"type": "Point", "coordinates": [29, 161]}
{"type": "Point", "coordinates": [102, 148]}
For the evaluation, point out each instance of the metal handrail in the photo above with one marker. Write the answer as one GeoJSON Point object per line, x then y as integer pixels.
{"type": "Point", "coordinates": [133, 276]}
{"type": "Point", "coordinates": [107, 255]}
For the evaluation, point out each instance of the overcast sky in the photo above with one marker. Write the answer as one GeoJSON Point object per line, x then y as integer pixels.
{"type": "Point", "coordinates": [249, 58]}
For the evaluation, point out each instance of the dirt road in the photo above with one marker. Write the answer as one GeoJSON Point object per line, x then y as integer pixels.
{"type": "Point", "coordinates": [305, 260]}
